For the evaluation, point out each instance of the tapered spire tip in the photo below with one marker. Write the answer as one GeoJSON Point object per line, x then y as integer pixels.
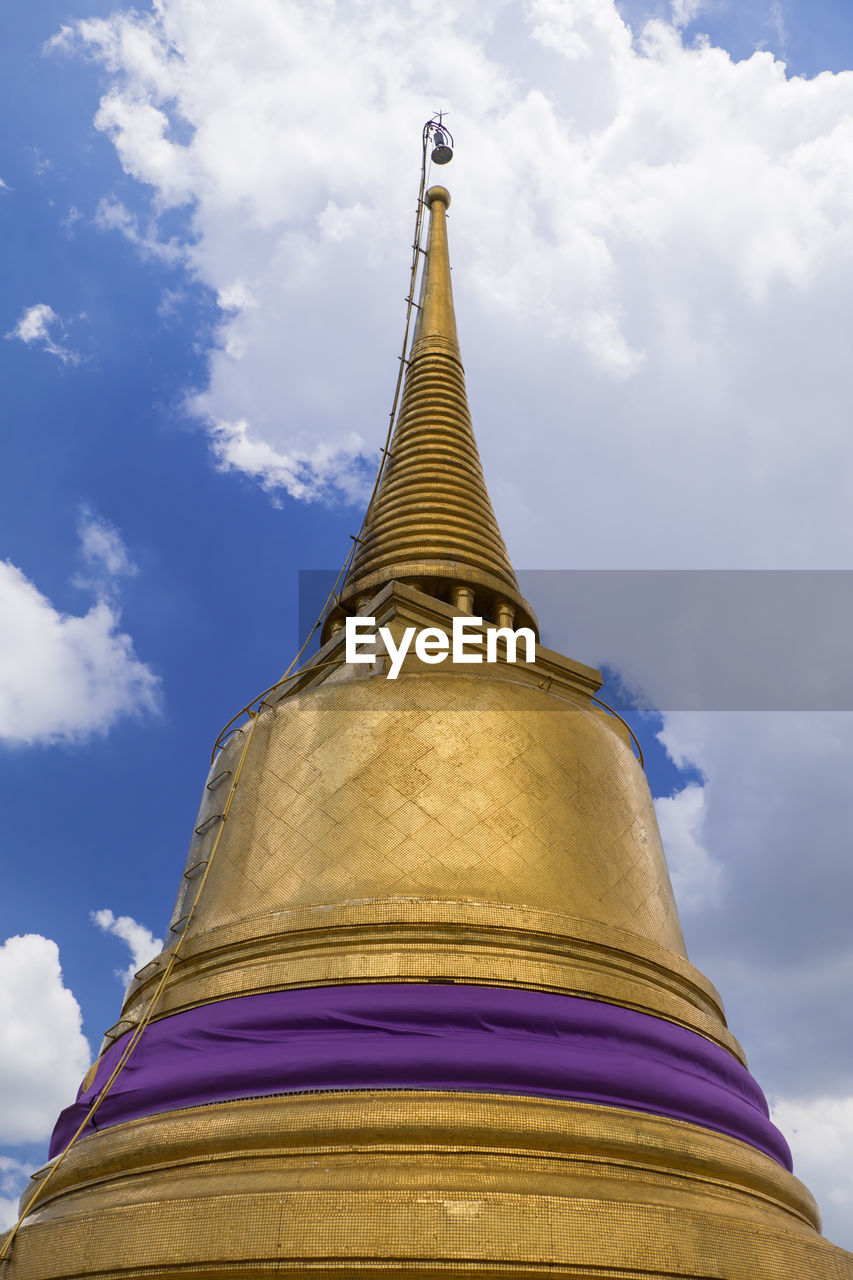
{"type": "Point", "coordinates": [431, 521]}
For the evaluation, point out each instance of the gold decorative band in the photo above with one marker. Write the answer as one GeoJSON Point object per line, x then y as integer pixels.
{"type": "Point", "coordinates": [401, 1183]}
{"type": "Point", "coordinates": [420, 940]}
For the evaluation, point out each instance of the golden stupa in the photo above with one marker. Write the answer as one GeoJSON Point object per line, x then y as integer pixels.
{"type": "Point", "coordinates": [427, 1008]}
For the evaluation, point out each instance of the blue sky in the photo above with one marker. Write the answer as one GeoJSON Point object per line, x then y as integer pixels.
{"type": "Point", "coordinates": [659, 309]}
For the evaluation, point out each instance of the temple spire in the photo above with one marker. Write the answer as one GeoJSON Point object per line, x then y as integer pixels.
{"type": "Point", "coordinates": [431, 524]}
{"type": "Point", "coordinates": [436, 324]}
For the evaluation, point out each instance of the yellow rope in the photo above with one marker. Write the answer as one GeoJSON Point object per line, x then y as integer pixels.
{"type": "Point", "coordinates": [410, 300]}
{"type": "Point", "coordinates": [257, 703]}
{"type": "Point", "coordinates": [152, 1005]}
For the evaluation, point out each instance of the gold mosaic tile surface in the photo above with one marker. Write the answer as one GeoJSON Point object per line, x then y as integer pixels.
{"type": "Point", "coordinates": [509, 797]}
{"type": "Point", "coordinates": [453, 827]}
{"type": "Point", "coordinates": [420, 1183]}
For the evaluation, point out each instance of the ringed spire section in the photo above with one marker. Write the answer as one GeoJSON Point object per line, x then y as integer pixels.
{"type": "Point", "coordinates": [431, 524]}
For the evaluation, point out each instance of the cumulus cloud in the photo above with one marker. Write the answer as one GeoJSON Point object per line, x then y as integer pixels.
{"type": "Point", "coordinates": [38, 325]}
{"type": "Point", "coordinates": [141, 941]}
{"type": "Point", "coordinates": [775, 819]}
{"type": "Point", "coordinates": [302, 474]}
{"type": "Point", "coordinates": [820, 1133]}
{"type": "Point", "coordinates": [777, 813]}
{"type": "Point", "coordinates": [696, 877]}
{"type": "Point", "coordinates": [235, 296]}
{"type": "Point", "coordinates": [65, 677]}
{"type": "Point", "coordinates": [653, 243]}
{"type": "Point", "coordinates": [13, 1178]}
{"type": "Point", "coordinates": [759, 848]}
{"type": "Point", "coordinates": [43, 1052]}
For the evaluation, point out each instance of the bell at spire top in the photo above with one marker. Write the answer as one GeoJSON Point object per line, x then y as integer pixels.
{"type": "Point", "coordinates": [431, 522]}
{"type": "Point", "coordinates": [442, 152]}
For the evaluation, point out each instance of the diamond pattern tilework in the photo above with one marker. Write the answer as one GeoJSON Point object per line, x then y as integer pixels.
{"type": "Point", "coordinates": [496, 793]}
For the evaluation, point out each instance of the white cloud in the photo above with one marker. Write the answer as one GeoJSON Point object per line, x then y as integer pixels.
{"type": "Point", "coordinates": [303, 473]}
{"type": "Point", "coordinates": [64, 677]}
{"type": "Point", "coordinates": [820, 1134]}
{"type": "Point", "coordinates": [42, 164]}
{"type": "Point", "coordinates": [169, 307]}
{"type": "Point", "coordinates": [235, 296]}
{"type": "Point", "coordinates": [112, 215]}
{"type": "Point", "coordinates": [777, 815]}
{"type": "Point", "coordinates": [653, 248]}
{"type": "Point", "coordinates": [43, 1052]}
{"type": "Point", "coordinates": [696, 877]}
{"type": "Point", "coordinates": [759, 851]}
{"type": "Point", "coordinates": [776, 20]}
{"type": "Point", "coordinates": [777, 810]}
{"type": "Point", "coordinates": [141, 941]}
{"type": "Point", "coordinates": [37, 325]}
{"type": "Point", "coordinates": [685, 11]}
{"type": "Point", "coordinates": [14, 1175]}
{"type": "Point", "coordinates": [4, 186]}
{"type": "Point", "coordinates": [103, 552]}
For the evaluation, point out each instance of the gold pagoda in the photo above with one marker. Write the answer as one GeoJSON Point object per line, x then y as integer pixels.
{"type": "Point", "coordinates": [426, 1009]}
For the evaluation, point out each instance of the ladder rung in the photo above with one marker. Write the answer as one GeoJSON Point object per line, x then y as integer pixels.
{"type": "Point", "coordinates": [202, 862]}
{"type": "Point", "coordinates": [207, 824]}
{"type": "Point", "coordinates": [217, 781]}
{"type": "Point", "coordinates": [118, 1028]}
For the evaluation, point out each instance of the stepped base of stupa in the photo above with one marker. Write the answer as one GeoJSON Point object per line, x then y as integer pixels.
{"type": "Point", "coordinates": [400, 1183]}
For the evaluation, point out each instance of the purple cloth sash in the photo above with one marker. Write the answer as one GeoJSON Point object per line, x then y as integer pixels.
{"type": "Point", "coordinates": [431, 1037]}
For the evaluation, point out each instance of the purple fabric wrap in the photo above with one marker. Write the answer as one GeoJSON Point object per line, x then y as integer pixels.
{"type": "Point", "coordinates": [430, 1036]}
